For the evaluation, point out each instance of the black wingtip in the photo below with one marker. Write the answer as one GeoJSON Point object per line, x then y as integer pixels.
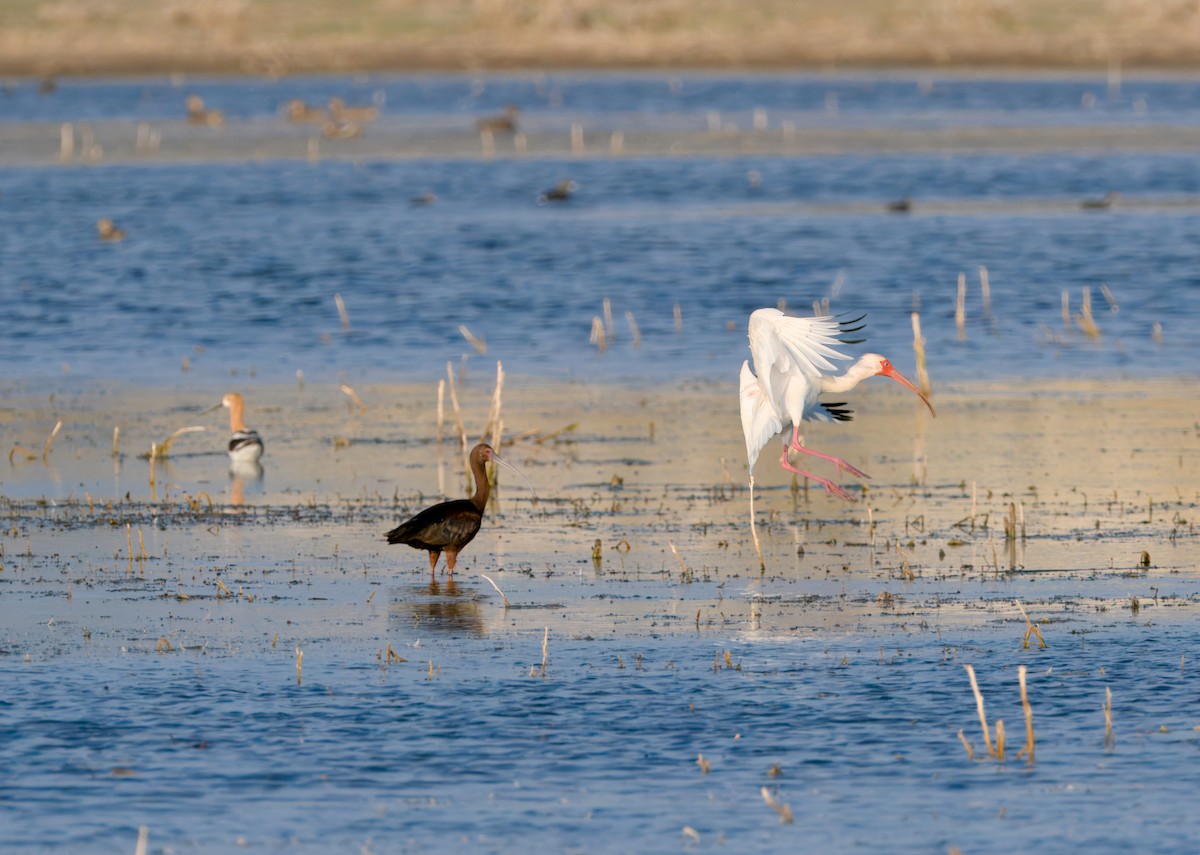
{"type": "Point", "coordinates": [851, 340]}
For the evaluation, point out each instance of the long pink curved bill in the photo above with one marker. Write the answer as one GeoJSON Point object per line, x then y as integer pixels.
{"type": "Point", "coordinates": [904, 381]}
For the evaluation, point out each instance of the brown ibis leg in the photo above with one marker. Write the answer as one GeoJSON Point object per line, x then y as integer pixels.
{"type": "Point", "coordinates": [836, 461]}
{"type": "Point", "coordinates": [433, 559]}
{"type": "Point", "coordinates": [451, 558]}
{"type": "Point", "coordinates": [825, 482]}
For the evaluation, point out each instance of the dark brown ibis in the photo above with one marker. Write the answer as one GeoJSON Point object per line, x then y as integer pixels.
{"type": "Point", "coordinates": [450, 526]}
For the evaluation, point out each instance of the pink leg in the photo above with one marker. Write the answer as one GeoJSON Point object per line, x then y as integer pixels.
{"type": "Point", "coordinates": [825, 482]}
{"type": "Point", "coordinates": [836, 461]}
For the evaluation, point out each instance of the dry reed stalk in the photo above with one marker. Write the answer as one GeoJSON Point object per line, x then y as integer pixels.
{"type": "Point", "coordinates": [682, 566]}
{"type": "Point", "coordinates": [691, 833]}
{"type": "Point", "coordinates": [616, 143]}
{"type": "Point", "coordinates": [1032, 628]}
{"type": "Point", "coordinates": [66, 142]}
{"type": "Point", "coordinates": [966, 744]}
{"type": "Point", "coordinates": [142, 556]}
{"type": "Point", "coordinates": [50, 440]}
{"type": "Point", "coordinates": [497, 587]}
{"type": "Point", "coordinates": [341, 309]}
{"type": "Point", "coordinates": [704, 763]}
{"type": "Point", "coordinates": [576, 138]}
{"type": "Point", "coordinates": [597, 336]}
{"type": "Point", "coordinates": [919, 350]}
{"type": "Point", "coordinates": [159, 451]}
{"type": "Point", "coordinates": [785, 812]}
{"type": "Point", "coordinates": [609, 329]}
{"type": "Point", "coordinates": [987, 737]}
{"type": "Point", "coordinates": [1110, 299]}
{"type": "Point", "coordinates": [222, 590]}
{"type": "Point", "coordinates": [1028, 750]}
{"type": "Point", "coordinates": [960, 308]}
{"type": "Point", "coordinates": [678, 318]}
{"type": "Point", "coordinates": [458, 423]}
{"type": "Point", "coordinates": [116, 438]}
{"type": "Point", "coordinates": [1109, 739]}
{"type": "Point", "coordinates": [633, 329]}
{"type": "Point", "coordinates": [907, 573]}
{"type": "Point", "coordinates": [1086, 321]}
{"type": "Point", "coordinates": [163, 644]}
{"type": "Point", "coordinates": [143, 841]}
{"type": "Point", "coordinates": [441, 413]}
{"type": "Point", "coordinates": [999, 739]}
{"type": "Point", "coordinates": [985, 289]}
{"type": "Point", "coordinates": [24, 452]}
{"type": "Point", "coordinates": [479, 344]}
{"type": "Point", "coordinates": [1066, 308]}
{"type": "Point", "coordinates": [392, 656]}
{"type": "Point", "coordinates": [492, 430]}
{"type": "Point", "coordinates": [545, 650]}
{"type": "Point", "coordinates": [299, 665]}
{"type": "Point", "coordinates": [129, 542]}
{"type": "Point", "coordinates": [353, 396]}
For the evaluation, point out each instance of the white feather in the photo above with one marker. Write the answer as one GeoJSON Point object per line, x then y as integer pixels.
{"type": "Point", "coordinates": [760, 419]}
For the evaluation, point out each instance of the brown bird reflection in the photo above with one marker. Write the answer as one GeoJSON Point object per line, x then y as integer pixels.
{"type": "Point", "coordinates": [440, 607]}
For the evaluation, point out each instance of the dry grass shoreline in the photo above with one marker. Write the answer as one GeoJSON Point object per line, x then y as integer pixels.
{"type": "Point", "coordinates": [91, 37]}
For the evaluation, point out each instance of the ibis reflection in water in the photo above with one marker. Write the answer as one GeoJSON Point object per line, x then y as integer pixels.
{"type": "Point", "coordinates": [450, 526]}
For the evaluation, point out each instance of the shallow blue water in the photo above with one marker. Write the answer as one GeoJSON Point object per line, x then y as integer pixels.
{"type": "Point", "coordinates": [236, 266]}
{"type": "Point", "coordinates": [210, 750]}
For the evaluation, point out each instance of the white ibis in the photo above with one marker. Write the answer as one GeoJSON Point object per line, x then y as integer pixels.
{"type": "Point", "coordinates": [793, 368]}
{"type": "Point", "coordinates": [450, 526]}
{"type": "Point", "coordinates": [245, 445]}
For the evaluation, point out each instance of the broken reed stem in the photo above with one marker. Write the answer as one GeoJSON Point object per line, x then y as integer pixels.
{"type": "Point", "coordinates": [545, 650]}
{"type": "Point", "coordinates": [1110, 299]}
{"type": "Point", "coordinates": [987, 737]}
{"type": "Point", "coordinates": [391, 656]}
{"type": "Point", "coordinates": [633, 330]}
{"type": "Point", "coordinates": [116, 437]}
{"type": "Point", "coordinates": [678, 318]}
{"type": "Point", "coordinates": [919, 350]}
{"type": "Point", "coordinates": [1066, 308]}
{"type": "Point", "coordinates": [479, 344]}
{"type": "Point", "coordinates": [907, 573]}
{"type": "Point", "coordinates": [960, 308]}
{"type": "Point", "coordinates": [129, 542]}
{"type": "Point", "coordinates": [597, 336]}
{"type": "Point", "coordinates": [1032, 628]}
{"type": "Point", "coordinates": [1028, 750]}
{"type": "Point", "coordinates": [999, 739]}
{"type": "Point", "coordinates": [159, 451]}
{"type": "Point", "coordinates": [299, 664]}
{"type": "Point", "coordinates": [353, 396]}
{"type": "Point", "coordinates": [1109, 739]}
{"type": "Point", "coordinates": [785, 812]}
{"type": "Point", "coordinates": [985, 289]}
{"type": "Point", "coordinates": [1086, 322]}
{"type": "Point", "coordinates": [143, 841]}
{"type": "Point", "coordinates": [608, 320]}
{"type": "Point", "coordinates": [341, 308]}
{"type": "Point", "coordinates": [497, 587]}
{"type": "Point", "coordinates": [966, 744]}
{"type": "Point", "coordinates": [50, 440]}
{"type": "Point", "coordinates": [682, 566]}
